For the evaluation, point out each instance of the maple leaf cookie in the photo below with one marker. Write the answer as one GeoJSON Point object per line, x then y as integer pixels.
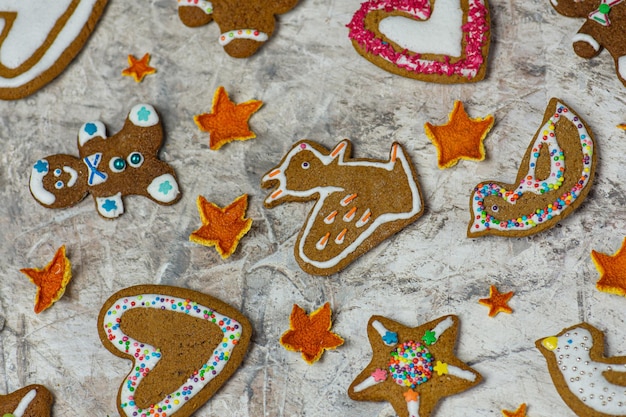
{"type": "Point", "coordinates": [360, 202]}
{"type": "Point", "coordinates": [553, 179]}
{"type": "Point", "coordinates": [443, 41]}
{"type": "Point", "coordinates": [184, 346]}
{"type": "Point", "coordinates": [37, 45]}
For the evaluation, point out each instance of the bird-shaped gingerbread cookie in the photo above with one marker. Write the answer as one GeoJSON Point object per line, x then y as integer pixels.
{"type": "Point", "coordinates": [554, 178]}
{"type": "Point", "coordinates": [604, 27]}
{"type": "Point", "coordinates": [591, 384]}
{"type": "Point", "coordinates": [245, 25]}
{"type": "Point", "coordinates": [360, 202]}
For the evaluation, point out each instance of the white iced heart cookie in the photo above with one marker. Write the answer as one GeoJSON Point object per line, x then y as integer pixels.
{"type": "Point", "coordinates": [445, 41]}
{"type": "Point", "coordinates": [36, 46]}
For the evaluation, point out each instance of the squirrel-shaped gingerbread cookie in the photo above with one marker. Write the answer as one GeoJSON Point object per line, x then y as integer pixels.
{"type": "Point", "coordinates": [605, 27]}
{"type": "Point", "coordinates": [245, 25]}
{"type": "Point", "coordinates": [109, 168]}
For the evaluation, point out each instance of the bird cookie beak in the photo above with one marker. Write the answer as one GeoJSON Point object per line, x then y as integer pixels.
{"type": "Point", "coordinates": [550, 343]}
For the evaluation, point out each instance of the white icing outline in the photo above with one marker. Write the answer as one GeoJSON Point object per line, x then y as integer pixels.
{"type": "Point", "coordinates": [37, 189]}
{"type": "Point", "coordinates": [227, 37]}
{"type": "Point", "coordinates": [153, 188]}
{"type": "Point", "coordinates": [24, 403]}
{"type": "Point", "coordinates": [117, 198]}
{"type": "Point", "coordinates": [205, 6]}
{"type": "Point", "coordinates": [583, 37]}
{"type": "Point", "coordinates": [84, 136]}
{"type": "Point", "coordinates": [153, 116]}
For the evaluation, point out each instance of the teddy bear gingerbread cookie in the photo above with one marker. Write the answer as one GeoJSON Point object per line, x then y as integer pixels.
{"type": "Point", "coordinates": [604, 27]}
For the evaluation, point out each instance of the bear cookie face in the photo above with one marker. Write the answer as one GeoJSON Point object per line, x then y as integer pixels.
{"type": "Point", "coordinates": [109, 168]}
{"type": "Point", "coordinates": [604, 27]}
{"type": "Point", "coordinates": [244, 25]}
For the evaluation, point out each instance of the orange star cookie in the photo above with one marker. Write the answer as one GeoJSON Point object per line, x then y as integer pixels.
{"type": "Point", "coordinates": [222, 227]}
{"type": "Point", "coordinates": [461, 138]}
{"type": "Point", "coordinates": [51, 280]}
{"type": "Point", "coordinates": [497, 301]}
{"type": "Point", "coordinates": [227, 121]}
{"type": "Point", "coordinates": [138, 68]}
{"type": "Point", "coordinates": [310, 335]}
{"type": "Point", "coordinates": [612, 269]}
{"type": "Point", "coordinates": [622, 126]}
{"type": "Point", "coordinates": [520, 412]}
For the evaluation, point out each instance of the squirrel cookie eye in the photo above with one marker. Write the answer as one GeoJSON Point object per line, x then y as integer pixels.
{"type": "Point", "coordinates": [135, 159]}
{"type": "Point", "coordinates": [58, 185]}
{"type": "Point", "coordinates": [495, 208]}
{"type": "Point", "coordinates": [117, 164]}
{"type": "Point", "coordinates": [306, 165]}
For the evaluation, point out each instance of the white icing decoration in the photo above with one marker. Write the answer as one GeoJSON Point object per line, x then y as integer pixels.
{"type": "Point", "coordinates": [95, 176]}
{"type": "Point", "coordinates": [584, 377]}
{"type": "Point", "coordinates": [555, 3]}
{"type": "Point", "coordinates": [413, 406]}
{"type": "Point", "coordinates": [73, 175]}
{"type": "Point", "coordinates": [111, 206]}
{"type": "Point", "coordinates": [84, 136]}
{"type": "Point", "coordinates": [440, 34]}
{"type": "Point", "coordinates": [160, 191]}
{"type": "Point", "coordinates": [347, 199]}
{"type": "Point", "coordinates": [442, 326]}
{"type": "Point", "coordinates": [340, 237]}
{"type": "Point", "coordinates": [330, 218]}
{"type": "Point", "coordinates": [321, 244]}
{"type": "Point", "coordinates": [364, 218]}
{"type": "Point", "coordinates": [191, 386]}
{"type": "Point", "coordinates": [143, 115]}
{"type": "Point", "coordinates": [583, 37]}
{"type": "Point", "coordinates": [349, 216]}
{"type": "Point", "coordinates": [461, 373]}
{"type": "Point", "coordinates": [37, 189]}
{"type": "Point", "coordinates": [206, 6]}
{"type": "Point", "coordinates": [326, 190]}
{"type": "Point", "coordinates": [24, 403]}
{"type": "Point", "coordinates": [255, 35]}
{"type": "Point", "coordinates": [35, 19]}
{"type": "Point", "coordinates": [382, 331]}
{"type": "Point", "coordinates": [621, 66]}
{"type": "Point", "coordinates": [366, 383]}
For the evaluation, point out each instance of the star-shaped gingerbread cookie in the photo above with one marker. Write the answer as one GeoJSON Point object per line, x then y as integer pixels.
{"type": "Point", "coordinates": [227, 121]}
{"type": "Point", "coordinates": [138, 68]}
{"type": "Point", "coordinates": [311, 334]}
{"type": "Point", "coordinates": [222, 227]}
{"type": "Point", "coordinates": [461, 138]}
{"type": "Point", "coordinates": [497, 301]}
{"type": "Point", "coordinates": [412, 367]}
{"type": "Point", "coordinates": [50, 280]}
{"type": "Point", "coordinates": [520, 412]}
{"type": "Point", "coordinates": [612, 269]}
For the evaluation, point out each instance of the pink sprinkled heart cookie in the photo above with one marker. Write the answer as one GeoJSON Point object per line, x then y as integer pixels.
{"type": "Point", "coordinates": [184, 346]}
{"type": "Point", "coordinates": [443, 41]}
{"type": "Point", "coordinates": [38, 41]}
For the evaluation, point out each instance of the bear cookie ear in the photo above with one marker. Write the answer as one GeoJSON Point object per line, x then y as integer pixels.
{"type": "Point", "coordinates": [58, 181]}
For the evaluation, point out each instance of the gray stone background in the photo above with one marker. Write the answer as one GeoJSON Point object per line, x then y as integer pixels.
{"type": "Point", "coordinates": [314, 86]}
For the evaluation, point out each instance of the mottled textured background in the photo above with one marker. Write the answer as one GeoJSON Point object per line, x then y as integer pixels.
{"type": "Point", "coordinates": [314, 86]}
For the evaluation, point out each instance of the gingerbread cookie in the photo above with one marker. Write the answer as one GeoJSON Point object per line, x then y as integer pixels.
{"type": "Point", "coordinates": [360, 202]}
{"type": "Point", "coordinates": [612, 269]}
{"type": "Point", "coordinates": [30, 401]}
{"type": "Point", "coordinates": [443, 41]}
{"type": "Point", "coordinates": [591, 384]}
{"type": "Point", "coordinates": [109, 168]}
{"type": "Point", "coordinates": [245, 25]}
{"type": "Point", "coordinates": [36, 46]}
{"type": "Point", "coordinates": [604, 27]}
{"type": "Point", "coordinates": [184, 346]}
{"type": "Point", "coordinates": [412, 368]}
{"type": "Point", "coordinates": [554, 178]}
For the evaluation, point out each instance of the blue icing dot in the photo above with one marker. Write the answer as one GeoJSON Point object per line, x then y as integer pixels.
{"type": "Point", "coordinates": [165, 187]}
{"type": "Point", "coordinates": [41, 166]}
{"type": "Point", "coordinates": [390, 338]}
{"type": "Point", "coordinates": [109, 205]}
{"type": "Point", "coordinates": [91, 128]}
{"type": "Point", "coordinates": [143, 114]}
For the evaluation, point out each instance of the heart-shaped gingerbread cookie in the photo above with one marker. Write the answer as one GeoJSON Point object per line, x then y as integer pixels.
{"type": "Point", "coordinates": [36, 45]}
{"type": "Point", "coordinates": [444, 41]}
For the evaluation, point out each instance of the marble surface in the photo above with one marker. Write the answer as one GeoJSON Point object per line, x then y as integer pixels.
{"type": "Point", "coordinates": [314, 86]}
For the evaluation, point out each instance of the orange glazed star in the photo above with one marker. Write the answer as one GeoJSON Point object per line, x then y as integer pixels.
{"type": "Point", "coordinates": [51, 280]}
{"type": "Point", "coordinates": [222, 227]}
{"type": "Point", "coordinates": [497, 301]}
{"type": "Point", "coordinates": [612, 269]}
{"type": "Point", "coordinates": [138, 68]}
{"type": "Point", "coordinates": [461, 138]}
{"type": "Point", "coordinates": [310, 335]}
{"type": "Point", "coordinates": [520, 412]}
{"type": "Point", "coordinates": [227, 121]}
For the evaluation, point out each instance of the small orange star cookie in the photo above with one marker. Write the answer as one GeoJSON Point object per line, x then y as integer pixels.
{"type": "Point", "coordinates": [612, 269]}
{"type": "Point", "coordinates": [227, 121]}
{"type": "Point", "coordinates": [51, 280]}
{"type": "Point", "coordinates": [520, 412]}
{"type": "Point", "coordinates": [461, 138]}
{"type": "Point", "coordinates": [138, 68]}
{"type": "Point", "coordinates": [310, 335]}
{"type": "Point", "coordinates": [622, 126]}
{"type": "Point", "coordinates": [497, 301]}
{"type": "Point", "coordinates": [222, 227]}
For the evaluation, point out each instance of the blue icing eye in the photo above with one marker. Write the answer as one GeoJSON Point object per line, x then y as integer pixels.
{"type": "Point", "coordinates": [91, 128]}
{"type": "Point", "coordinates": [58, 185]}
{"type": "Point", "coordinates": [41, 166]}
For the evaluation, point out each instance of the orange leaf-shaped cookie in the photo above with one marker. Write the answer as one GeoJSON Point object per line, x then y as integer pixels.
{"type": "Point", "coordinates": [51, 280]}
